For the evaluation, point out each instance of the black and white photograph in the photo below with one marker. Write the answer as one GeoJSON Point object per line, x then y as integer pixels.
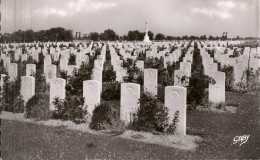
{"type": "Point", "coordinates": [129, 79]}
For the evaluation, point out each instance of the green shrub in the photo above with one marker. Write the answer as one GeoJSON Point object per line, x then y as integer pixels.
{"type": "Point", "coordinates": [171, 67]}
{"type": "Point", "coordinates": [134, 75]}
{"type": "Point", "coordinates": [235, 54]}
{"type": "Point", "coordinates": [18, 105]}
{"type": "Point", "coordinates": [173, 126]}
{"type": "Point", "coordinates": [74, 85]}
{"type": "Point", "coordinates": [153, 63]}
{"type": "Point", "coordinates": [183, 53]}
{"type": "Point", "coordinates": [104, 116]}
{"type": "Point", "coordinates": [197, 85]}
{"type": "Point", "coordinates": [71, 108]}
{"type": "Point", "coordinates": [165, 79]}
{"type": "Point", "coordinates": [211, 52]}
{"type": "Point", "coordinates": [40, 83]}
{"type": "Point", "coordinates": [251, 82]}
{"type": "Point", "coordinates": [11, 100]}
{"type": "Point", "coordinates": [63, 74]}
{"type": "Point", "coordinates": [72, 59]}
{"type": "Point", "coordinates": [229, 77]}
{"type": "Point", "coordinates": [198, 81]}
{"type": "Point", "coordinates": [108, 76]}
{"type": "Point", "coordinates": [151, 116]}
{"type": "Point", "coordinates": [141, 56]}
{"type": "Point", "coordinates": [112, 93]}
{"type": "Point", "coordinates": [38, 107]}
{"type": "Point", "coordinates": [161, 93]}
{"type": "Point", "coordinates": [108, 55]}
{"type": "Point", "coordinates": [2, 68]}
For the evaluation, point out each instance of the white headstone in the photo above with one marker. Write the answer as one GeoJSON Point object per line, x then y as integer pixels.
{"type": "Point", "coordinates": [120, 73]}
{"type": "Point", "coordinates": [30, 69]}
{"type": "Point", "coordinates": [91, 94]}
{"type": "Point", "coordinates": [7, 62]}
{"type": "Point", "coordinates": [130, 94]}
{"type": "Point", "coordinates": [175, 100]}
{"type": "Point", "coordinates": [24, 57]}
{"type": "Point", "coordinates": [12, 71]}
{"type": "Point", "coordinates": [140, 64]}
{"type": "Point", "coordinates": [210, 67]}
{"type": "Point", "coordinates": [47, 61]}
{"type": "Point", "coordinates": [239, 69]}
{"type": "Point", "coordinates": [57, 89]}
{"type": "Point", "coordinates": [51, 72]}
{"type": "Point", "coordinates": [35, 56]}
{"type": "Point", "coordinates": [27, 87]}
{"type": "Point", "coordinates": [185, 66]}
{"type": "Point", "coordinates": [17, 56]}
{"type": "Point", "coordinates": [97, 75]}
{"type": "Point", "coordinates": [151, 81]}
{"type": "Point", "coordinates": [98, 63]}
{"type": "Point", "coordinates": [217, 90]}
{"type": "Point", "coordinates": [64, 64]}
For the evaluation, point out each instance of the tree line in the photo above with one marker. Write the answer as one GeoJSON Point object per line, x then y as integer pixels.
{"type": "Point", "coordinates": [62, 34]}
{"type": "Point", "coordinates": [53, 34]}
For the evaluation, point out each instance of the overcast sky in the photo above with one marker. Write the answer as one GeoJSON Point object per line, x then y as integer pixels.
{"type": "Point", "coordinates": [170, 17]}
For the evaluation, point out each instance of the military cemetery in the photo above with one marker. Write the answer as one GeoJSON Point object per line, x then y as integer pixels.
{"type": "Point", "coordinates": [106, 92]}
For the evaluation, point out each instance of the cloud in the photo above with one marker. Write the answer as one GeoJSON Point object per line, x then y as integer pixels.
{"type": "Point", "coordinates": [212, 13]}
{"type": "Point", "coordinates": [73, 7]}
{"type": "Point", "coordinates": [226, 4]}
{"type": "Point", "coordinates": [220, 9]}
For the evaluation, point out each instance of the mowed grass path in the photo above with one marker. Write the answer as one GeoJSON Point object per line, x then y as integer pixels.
{"type": "Point", "coordinates": [28, 141]}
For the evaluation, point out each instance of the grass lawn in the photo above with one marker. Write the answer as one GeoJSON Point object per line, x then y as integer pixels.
{"type": "Point", "coordinates": [30, 141]}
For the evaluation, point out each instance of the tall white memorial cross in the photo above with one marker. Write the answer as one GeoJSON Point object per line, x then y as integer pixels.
{"type": "Point", "coordinates": [146, 37]}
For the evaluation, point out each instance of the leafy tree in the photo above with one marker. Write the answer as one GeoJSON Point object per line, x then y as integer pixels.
{"type": "Point", "coordinates": [159, 37]}
{"type": "Point", "coordinates": [135, 36]}
{"type": "Point", "coordinates": [170, 38]}
{"type": "Point", "coordinates": [151, 35]}
{"type": "Point", "coordinates": [109, 34]}
{"type": "Point", "coordinates": [94, 36]}
{"type": "Point", "coordinates": [185, 37]}
{"type": "Point", "coordinates": [204, 37]}
{"type": "Point", "coordinates": [53, 34]}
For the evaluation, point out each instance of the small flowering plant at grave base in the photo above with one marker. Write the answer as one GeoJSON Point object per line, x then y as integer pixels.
{"type": "Point", "coordinates": [71, 108]}
{"type": "Point", "coordinates": [165, 79]}
{"type": "Point", "coordinates": [173, 126]}
{"type": "Point", "coordinates": [153, 63]}
{"type": "Point", "coordinates": [209, 104]}
{"type": "Point", "coordinates": [62, 74]}
{"type": "Point", "coordinates": [211, 52]}
{"type": "Point", "coordinates": [184, 80]}
{"type": "Point", "coordinates": [235, 54]}
{"type": "Point", "coordinates": [134, 74]}
{"type": "Point", "coordinates": [229, 77]}
{"type": "Point", "coordinates": [250, 82]}
{"type": "Point", "coordinates": [38, 107]}
{"type": "Point", "coordinates": [104, 116]}
{"type": "Point", "coordinates": [151, 116]}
